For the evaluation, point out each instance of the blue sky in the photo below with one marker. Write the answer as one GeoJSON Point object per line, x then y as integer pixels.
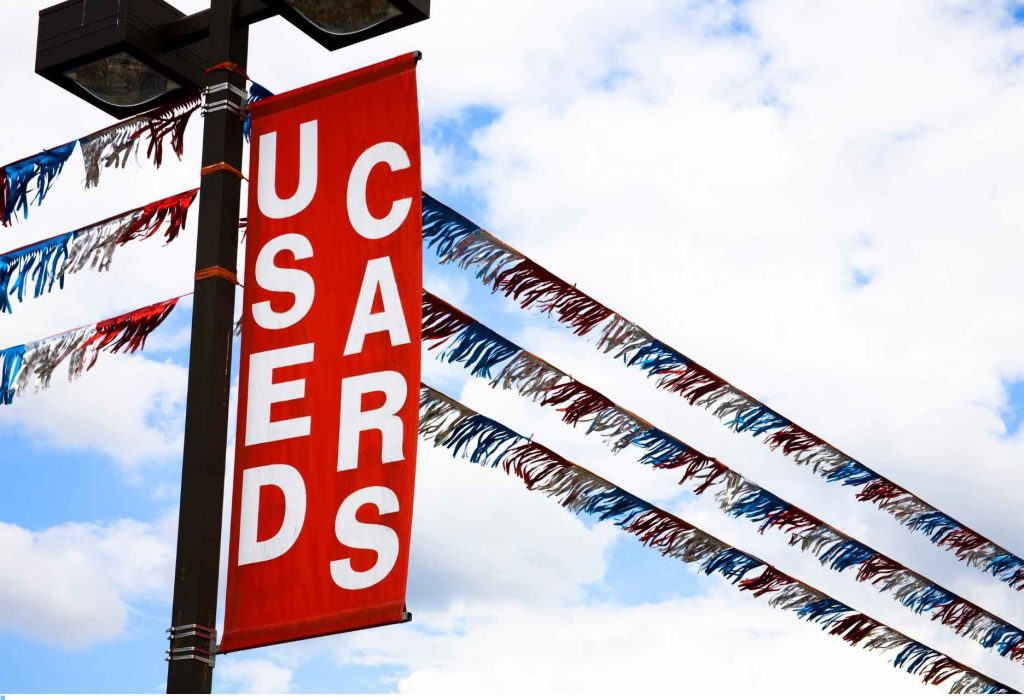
{"type": "Point", "coordinates": [722, 172]}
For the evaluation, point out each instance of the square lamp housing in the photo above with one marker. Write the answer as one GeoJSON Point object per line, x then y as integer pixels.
{"type": "Point", "coordinates": [109, 53]}
{"type": "Point", "coordinates": [338, 23]}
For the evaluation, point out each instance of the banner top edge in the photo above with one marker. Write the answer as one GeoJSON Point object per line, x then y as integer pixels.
{"type": "Point", "coordinates": [339, 83]}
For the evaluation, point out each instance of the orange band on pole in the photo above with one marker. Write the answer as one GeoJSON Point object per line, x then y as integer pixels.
{"type": "Point", "coordinates": [228, 65]}
{"type": "Point", "coordinates": [217, 271]}
{"type": "Point", "coordinates": [217, 167]}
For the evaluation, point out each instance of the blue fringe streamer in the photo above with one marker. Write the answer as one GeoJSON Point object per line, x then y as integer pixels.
{"type": "Point", "coordinates": [256, 93]}
{"type": "Point", "coordinates": [927, 598]}
{"type": "Point", "coordinates": [842, 555]}
{"type": "Point", "coordinates": [610, 504]}
{"type": "Point", "coordinates": [934, 524]}
{"type": "Point", "coordinates": [443, 227]}
{"type": "Point", "coordinates": [41, 261]}
{"type": "Point", "coordinates": [1006, 566]}
{"type": "Point", "coordinates": [592, 496]}
{"type": "Point", "coordinates": [1004, 638]}
{"type": "Point", "coordinates": [7, 268]}
{"type": "Point", "coordinates": [825, 611]}
{"type": "Point", "coordinates": [492, 440]}
{"type": "Point", "coordinates": [10, 365]}
{"type": "Point", "coordinates": [655, 358]}
{"type": "Point", "coordinates": [43, 168]}
{"type": "Point", "coordinates": [758, 505]}
{"type": "Point", "coordinates": [480, 349]}
{"type": "Point", "coordinates": [758, 420]}
{"type": "Point", "coordinates": [731, 563]}
{"type": "Point", "coordinates": [18, 175]}
{"type": "Point", "coordinates": [915, 653]}
{"type": "Point", "coordinates": [658, 447]}
{"type": "Point", "coordinates": [851, 474]}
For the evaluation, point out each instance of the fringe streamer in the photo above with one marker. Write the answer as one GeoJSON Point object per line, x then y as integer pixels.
{"type": "Point", "coordinates": [11, 361]}
{"type": "Point", "coordinates": [479, 349]}
{"type": "Point", "coordinates": [583, 492]}
{"type": "Point", "coordinates": [531, 376]}
{"type": "Point", "coordinates": [127, 332]}
{"type": "Point", "coordinates": [146, 222]}
{"type": "Point", "coordinates": [16, 180]}
{"type": "Point", "coordinates": [256, 93]}
{"type": "Point", "coordinates": [33, 365]}
{"type": "Point", "coordinates": [456, 239]}
{"type": "Point", "coordinates": [46, 263]}
{"type": "Point", "coordinates": [111, 147]}
{"type": "Point", "coordinates": [42, 263]}
{"type": "Point", "coordinates": [769, 581]}
{"type": "Point", "coordinates": [44, 357]}
{"type": "Point", "coordinates": [735, 495]}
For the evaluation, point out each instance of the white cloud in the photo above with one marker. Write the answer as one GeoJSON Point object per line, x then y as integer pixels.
{"type": "Point", "coordinates": [721, 189]}
{"type": "Point", "coordinates": [74, 585]}
{"type": "Point", "coordinates": [716, 644]}
{"type": "Point", "coordinates": [478, 538]}
{"type": "Point", "coordinates": [253, 676]}
{"type": "Point", "coordinates": [128, 408]}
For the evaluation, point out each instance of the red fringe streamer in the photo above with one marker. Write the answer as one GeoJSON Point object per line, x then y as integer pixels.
{"type": "Point", "coordinates": [693, 460]}
{"type": "Point", "coordinates": [531, 285]}
{"type": "Point", "coordinates": [692, 382]}
{"type": "Point", "coordinates": [959, 614]}
{"type": "Point", "coordinates": [792, 439]}
{"type": "Point", "coordinates": [880, 491]}
{"type": "Point", "coordinates": [962, 541]}
{"type": "Point", "coordinates": [582, 401]}
{"type": "Point", "coordinates": [855, 628]}
{"type": "Point", "coordinates": [791, 520]}
{"type": "Point", "coordinates": [532, 463]}
{"type": "Point", "coordinates": [128, 332]}
{"type": "Point", "coordinates": [653, 529]}
{"type": "Point", "coordinates": [769, 581]}
{"type": "Point", "coordinates": [876, 568]}
{"type": "Point", "coordinates": [714, 472]}
{"type": "Point", "coordinates": [1017, 653]}
{"type": "Point", "coordinates": [441, 320]}
{"type": "Point", "coordinates": [173, 209]}
{"type": "Point", "coordinates": [171, 120]}
{"type": "Point", "coordinates": [579, 311]}
{"type": "Point", "coordinates": [941, 670]}
{"type": "Point", "coordinates": [5, 192]}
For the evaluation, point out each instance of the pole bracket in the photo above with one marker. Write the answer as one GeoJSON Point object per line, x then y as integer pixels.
{"type": "Point", "coordinates": [203, 649]}
{"type": "Point", "coordinates": [226, 102]}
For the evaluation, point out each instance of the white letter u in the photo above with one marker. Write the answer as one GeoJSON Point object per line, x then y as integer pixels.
{"type": "Point", "coordinates": [270, 204]}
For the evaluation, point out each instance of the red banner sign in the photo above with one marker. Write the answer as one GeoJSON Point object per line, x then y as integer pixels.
{"type": "Point", "coordinates": [325, 451]}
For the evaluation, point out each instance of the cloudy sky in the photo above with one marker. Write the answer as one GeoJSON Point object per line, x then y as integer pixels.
{"type": "Point", "coordinates": [819, 200]}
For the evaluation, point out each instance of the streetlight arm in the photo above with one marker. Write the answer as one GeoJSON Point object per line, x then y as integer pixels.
{"type": "Point", "coordinates": [196, 27]}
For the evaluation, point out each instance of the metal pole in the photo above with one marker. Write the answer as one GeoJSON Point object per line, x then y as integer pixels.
{"type": "Point", "coordinates": [194, 612]}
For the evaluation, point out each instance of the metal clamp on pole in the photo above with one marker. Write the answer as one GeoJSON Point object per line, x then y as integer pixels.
{"type": "Point", "coordinates": [226, 103]}
{"type": "Point", "coordinates": [204, 648]}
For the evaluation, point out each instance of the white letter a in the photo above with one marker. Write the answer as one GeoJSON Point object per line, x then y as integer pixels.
{"type": "Point", "coordinates": [379, 275]}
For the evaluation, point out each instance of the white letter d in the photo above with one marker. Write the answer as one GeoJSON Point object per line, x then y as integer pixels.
{"type": "Point", "coordinates": [286, 478]}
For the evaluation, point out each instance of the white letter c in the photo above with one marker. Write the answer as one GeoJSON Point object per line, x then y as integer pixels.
{"type": "Point", "coordinates": [365, 223]}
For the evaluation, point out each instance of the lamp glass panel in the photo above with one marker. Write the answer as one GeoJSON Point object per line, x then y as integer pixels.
{"type": "Point", "coordinates": [122, 80]}
{"type": "Point", "coordinates": [341, 17]}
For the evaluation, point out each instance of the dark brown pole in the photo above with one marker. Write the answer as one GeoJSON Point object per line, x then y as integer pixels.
{"type": "Point", "coordinates": [194, 612]}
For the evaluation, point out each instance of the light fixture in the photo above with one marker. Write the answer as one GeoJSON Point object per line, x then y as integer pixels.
{"type": "Point", "coordinates": [122, 80]}
{"type": "Point", "coordinates": [338, 23]}
{"type": "Point", "coordinates": [110, 53]}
